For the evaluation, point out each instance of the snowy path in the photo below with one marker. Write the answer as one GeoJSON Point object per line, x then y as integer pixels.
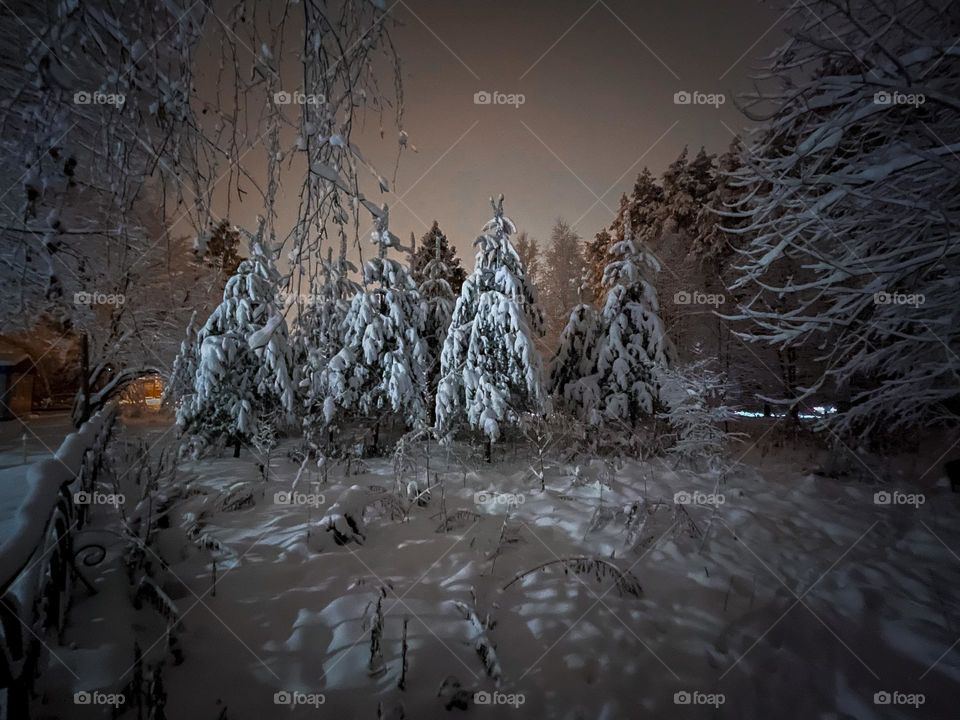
{"type": "Point", "coordinates": [805, 595]}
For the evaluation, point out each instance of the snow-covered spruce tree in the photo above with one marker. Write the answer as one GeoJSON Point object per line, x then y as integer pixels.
{"type": "Point", "coordinates": [320, 334]}
{"type": "Point", "coordinates": [573, 369]}
{"type": "Point", "coordinates": [439, 301]}
{"type": "Point", "coordinates": [632, 347]}
{"type": "Point", "coordinates": [382, 364]}
{"type": "Point", "coordinates": [854, 184]}
{"type": "Point", "coordinates": [490, 369]}
{"type": "Point", "coordinates": [245, 360]}
{"type": "Point", "coordinates": [178, 390]}
{"type": "Point", "coordinates": [641, 210]}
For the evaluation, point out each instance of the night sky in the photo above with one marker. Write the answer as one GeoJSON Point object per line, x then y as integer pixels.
{"type": "Point", "coordinates": [598, 80]}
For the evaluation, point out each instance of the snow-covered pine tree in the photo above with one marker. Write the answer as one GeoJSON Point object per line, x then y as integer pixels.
{"type": "Point", "coordinates": [179, 387]}
{"type": "Point", "coordinates": [382, 364]}
{"type": "Point", "coordinates": [854, 209]}
{"type": "Point", "coordinates": [490, 369]}
{"type": "Point", "coordinates": [439, 301]}
{"type": "Point", "coordinates": [632, 346]}
{"type": "Point", "coordinates": [641, 210]}
{"type": "Point", "coordinates": [320, 333]}
{"type": "Point", "coordinates": [245, 360]}
{"type": "Point", "coordinates": [573, 369]}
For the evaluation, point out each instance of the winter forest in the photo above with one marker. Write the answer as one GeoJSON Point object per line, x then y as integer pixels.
{"type": "Point", "coordinates": [574, 359]}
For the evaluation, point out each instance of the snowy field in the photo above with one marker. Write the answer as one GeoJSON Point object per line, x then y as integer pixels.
{"type": "Point", "coordinates": [796, 591]}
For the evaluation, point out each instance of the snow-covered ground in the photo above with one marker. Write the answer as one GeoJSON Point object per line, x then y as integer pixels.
{"type": "Point", "coordinates": [801, 596]}
{"type": "Point", "coordinates": [19, 447]}
{"type": "Point", "coordinates": [39, 439]}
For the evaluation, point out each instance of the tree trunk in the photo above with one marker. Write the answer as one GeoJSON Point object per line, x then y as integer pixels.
{"type": "Point", "coordinates": [236, 447]}
{"type": "Point", "coordinates": [489, 450]}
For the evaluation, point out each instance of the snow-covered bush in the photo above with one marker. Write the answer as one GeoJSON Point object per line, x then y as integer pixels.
{"type": "Point", "coordinates": [490, 369]}
{"type": "Point", "coordinates": [693, 396]}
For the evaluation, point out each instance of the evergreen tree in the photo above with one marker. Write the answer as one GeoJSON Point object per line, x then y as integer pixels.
{"type": "Point", "coordinates": [597, 256]}
{"type": "Point", "coordinates": [320, 334]}
{"type": "Point", "coordinates": [439, 302]}
{"type": "Point", "coordinates": [382, 364]}
{"type": "Point", "coordinates": [687, 186]}
{"type": "Point", "coordinates": [719, 212]}
{"type": "Point", "coordinates": [561, 287]}
{"type": "Point", "coordinates": [573, 369]}
{"type": "Point", "coordinates": [641, 212]}
{"type": "Point", "coordinates": [179, 387]}
{"type": "Point", "coordinates": [245, 361]}
{"type": "Point", "coordinates": [528, 248]}
{"type": "Point", "coordinates": [426, 253]}
{"type": "Point", "coordinates": [633, 344]}
{"type": "Point", "coordinates": [490, 367]}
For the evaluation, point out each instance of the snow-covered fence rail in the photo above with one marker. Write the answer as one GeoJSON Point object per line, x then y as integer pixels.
{"type": "Point", "coordinates": [36, 557]}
